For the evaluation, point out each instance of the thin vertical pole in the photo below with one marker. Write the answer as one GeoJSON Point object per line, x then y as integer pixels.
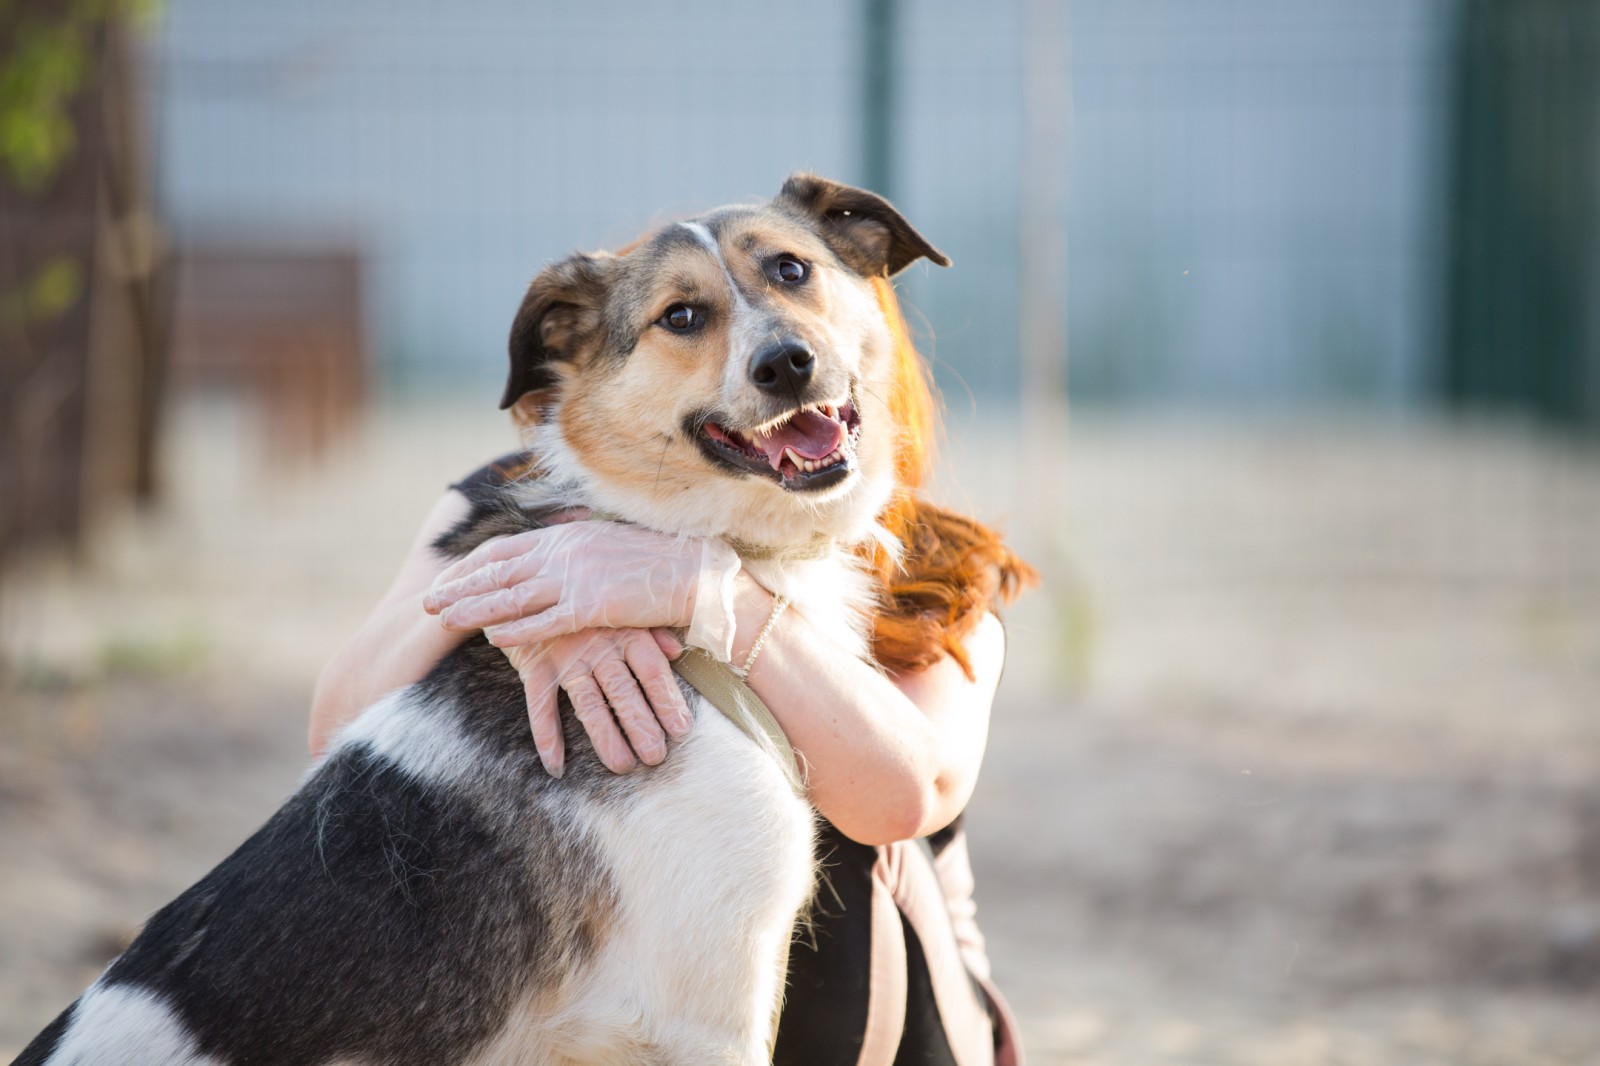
{"type": "Point", "coordinates": [1042, 249]}
{"type": "Point", "coordinates": [877, 88]}
{"type": "Point", "coordinates": [1042, 328]}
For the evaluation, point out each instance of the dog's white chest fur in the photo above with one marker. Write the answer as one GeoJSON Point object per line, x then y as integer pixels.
{"type": "Point", "coordinates": [711, 868]}
{"type": "Point", "coordinates": [707, 863]}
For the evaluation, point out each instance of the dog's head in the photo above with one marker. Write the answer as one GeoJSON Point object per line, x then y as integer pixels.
{"type": "Point", "coordinates": [730, 374]}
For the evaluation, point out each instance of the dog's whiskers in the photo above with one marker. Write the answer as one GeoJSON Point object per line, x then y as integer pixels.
{"type": "Point", "coordinates": [661, 463]}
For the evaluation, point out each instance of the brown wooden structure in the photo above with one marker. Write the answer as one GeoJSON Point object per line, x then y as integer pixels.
{"type": "Point", "coordinates": [82, 301]}
{"type": "Point", "coordinates": [282, 327]}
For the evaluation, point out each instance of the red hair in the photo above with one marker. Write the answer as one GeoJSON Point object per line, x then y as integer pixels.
{"type": "Point", "coordinates": [953, 569]}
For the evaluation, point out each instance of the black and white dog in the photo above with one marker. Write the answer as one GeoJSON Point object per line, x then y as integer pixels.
{"type": "Point", "coordinates": [430, 895]}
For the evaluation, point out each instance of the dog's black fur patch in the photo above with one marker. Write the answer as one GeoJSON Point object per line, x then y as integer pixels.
{"type": "Point", "coordinates": [376, 916]}
{"type": "Point", "coordinates": [365, 895]}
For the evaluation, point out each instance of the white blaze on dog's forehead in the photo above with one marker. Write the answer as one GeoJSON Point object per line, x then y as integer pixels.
{"type": "Point", "coordinates": [709, 240]}
{"type": "Point", "coordinates": [745, 330]}
{"type": "Point", "coordinates": [125, 1023]}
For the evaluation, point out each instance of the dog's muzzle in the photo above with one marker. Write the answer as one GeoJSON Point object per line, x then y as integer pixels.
{"type": "Point", "coordinates": [810, 448]}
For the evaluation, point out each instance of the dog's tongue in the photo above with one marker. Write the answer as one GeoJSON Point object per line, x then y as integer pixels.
{"type": "Point", "coordinates": [811, 434]}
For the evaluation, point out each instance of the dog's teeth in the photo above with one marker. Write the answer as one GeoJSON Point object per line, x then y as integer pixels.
{"type": "Point", "coordinates": [794, 457]}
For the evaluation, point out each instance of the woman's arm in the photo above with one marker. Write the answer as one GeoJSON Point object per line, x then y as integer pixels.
{"type": "Point", "coordinates": [398, 643]}
{"type": "Point", "coordinates": [887, 758]}
{"type": "Point", "coordinates": [619, 680]}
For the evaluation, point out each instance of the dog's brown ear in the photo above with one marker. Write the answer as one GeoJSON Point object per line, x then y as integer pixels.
{"type": "Point", "coordinates": [561, 312]}
{"type": "Point", "coordinates": [862, 227]}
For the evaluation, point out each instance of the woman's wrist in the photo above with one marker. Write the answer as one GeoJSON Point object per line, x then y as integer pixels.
{"type": "Point", "coordinates": [712, 623]}
{"type": "Point", "coordinates": [779, 605]}
{"type": "Point", "coordinates": [752, 606]}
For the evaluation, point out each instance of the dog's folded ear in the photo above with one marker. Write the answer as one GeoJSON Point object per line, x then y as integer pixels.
{"type": "Point", "coordinates": [562, 312]}
{"type": "Point", "coordinates": [861, 227]}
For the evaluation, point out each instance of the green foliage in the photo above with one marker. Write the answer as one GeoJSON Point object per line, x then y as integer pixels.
{"type": "Point", "coordinates": [180, 650]}
{"type": "Point", "coordinates": [46, 64]}
{"type": "Point", "coordinates": [51, 291]}
{"type": "Point", "coordinates": [39, 77]}
{"type": "Point", "coordinates": [163, 654]}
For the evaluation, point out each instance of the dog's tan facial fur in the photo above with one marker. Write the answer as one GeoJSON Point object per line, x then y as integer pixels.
{"type": "Point", "coordinates": [666, 424]}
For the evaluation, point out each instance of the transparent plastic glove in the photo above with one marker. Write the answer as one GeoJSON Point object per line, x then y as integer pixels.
{"type": "Point", "coordinates": [622, 689]}
{"type": "Point", "coordinates": [531, 587]}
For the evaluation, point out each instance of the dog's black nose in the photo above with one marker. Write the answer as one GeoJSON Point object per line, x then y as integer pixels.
{"type": "Point", "coordinates": [785, 366]}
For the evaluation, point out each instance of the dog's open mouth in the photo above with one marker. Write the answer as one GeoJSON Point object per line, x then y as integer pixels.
{"type": "Point", "coordinates": [813, 447]}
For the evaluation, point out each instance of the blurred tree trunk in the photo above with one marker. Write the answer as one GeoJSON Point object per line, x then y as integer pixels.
{"type": "Point", "coordinates": [79, 322]}
{"type": "Point", "coordinates": [1523, 304]}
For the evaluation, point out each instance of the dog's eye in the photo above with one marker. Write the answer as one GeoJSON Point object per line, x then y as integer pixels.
{"type": "Point", "coordinates": [787, 269]}
{"type": "Point", "coordinates": [681, 318]}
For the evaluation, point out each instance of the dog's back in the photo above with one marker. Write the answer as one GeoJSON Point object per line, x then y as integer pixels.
{"type": "Point", "coordinates": [430, 895]}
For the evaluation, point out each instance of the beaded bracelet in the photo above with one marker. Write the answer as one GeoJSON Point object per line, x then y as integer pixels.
{"type": "Point", "coordinates": [779, 605]}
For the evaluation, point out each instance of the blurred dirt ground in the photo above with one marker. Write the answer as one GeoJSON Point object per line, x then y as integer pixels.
{"type": "Point", "coordinates": [1295, 761]}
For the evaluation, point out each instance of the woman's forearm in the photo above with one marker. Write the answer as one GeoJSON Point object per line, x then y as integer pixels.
{"type": "Point", "coordinates": [886, 759]}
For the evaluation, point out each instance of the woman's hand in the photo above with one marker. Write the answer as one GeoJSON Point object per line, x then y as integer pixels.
{"type": "Point", "coordinates": [535, 586]}
{"type": "Point", "coordinates": [399, 643]}
{"type": "Point", "coordinates": [614, 677]}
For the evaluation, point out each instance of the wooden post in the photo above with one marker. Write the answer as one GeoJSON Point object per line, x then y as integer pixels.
{"type": "Point", "coordinates": [79, 321]}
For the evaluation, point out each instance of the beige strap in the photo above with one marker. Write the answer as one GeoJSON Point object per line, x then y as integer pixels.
{"type": "Point", "coordinates": [906, 887]}
{"type": "Point", "coordinates": [817, 547]}
{"type": "Point", "coordinates": [737, 701]}
{"type": "Point", "coordinates": [886, 968]}
{"type": "Point", "coordinates": [920, 897]}
{"type": "Point", "coordinates": [953, 865]}
{"type": "Point", "coordinates": [954, 869]}
{"type": "Point", "coordinates": [740, 705]}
